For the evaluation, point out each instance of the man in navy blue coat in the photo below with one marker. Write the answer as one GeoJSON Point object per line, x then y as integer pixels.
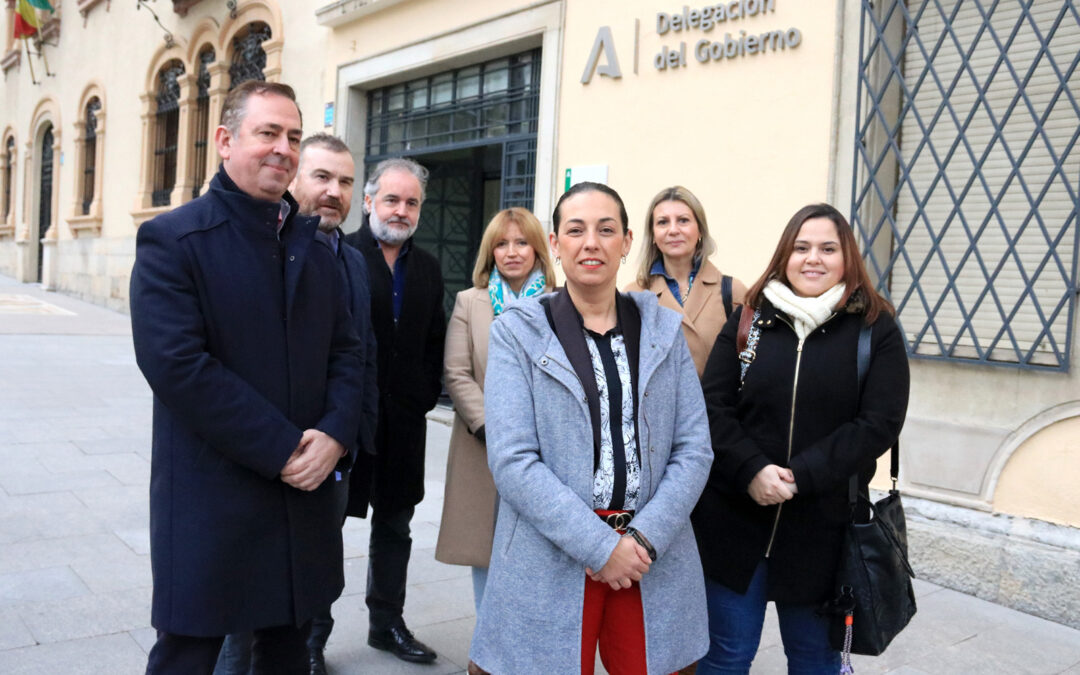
{"type": "Point", "coordinates": [324, 186]}
{"type": "Point", "coordinates": [241, 325]}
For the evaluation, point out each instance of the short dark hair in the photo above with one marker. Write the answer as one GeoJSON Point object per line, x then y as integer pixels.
{"type": "Point", "coordinates": [235, 106]}
{"type": "Point", "coordinates": [324, 140]}
{"type": "Point", "coordinates": [587, 186]}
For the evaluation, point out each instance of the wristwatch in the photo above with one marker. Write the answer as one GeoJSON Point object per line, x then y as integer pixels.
{"type": "Point", "coordinates": [642, 542]}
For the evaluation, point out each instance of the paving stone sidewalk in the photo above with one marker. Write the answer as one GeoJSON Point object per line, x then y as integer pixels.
{"type": "Point", "coordinates": [74, 542]}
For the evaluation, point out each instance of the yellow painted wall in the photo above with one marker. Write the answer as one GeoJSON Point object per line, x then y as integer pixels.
{"type": "Point", "coordinates": [749, 136]}
{"type": "Point", "coordinates": [405, 24]}
{"type": "Point", "coordinates": [1039, 480]}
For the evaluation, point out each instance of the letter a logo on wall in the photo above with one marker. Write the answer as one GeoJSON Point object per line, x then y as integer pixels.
{"type": "Point", "coordinates": [611, 68]}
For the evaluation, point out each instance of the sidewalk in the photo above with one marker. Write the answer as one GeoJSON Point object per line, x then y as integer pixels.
{"type": "Point", "coordinates": [74, 542]}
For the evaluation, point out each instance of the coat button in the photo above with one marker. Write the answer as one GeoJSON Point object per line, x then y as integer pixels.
{"type": "Point", "coordinates": [646, 393]}
{"type": "Point", "coordinates": [543, 362]}
{"type": "Point", "coordinates": [292, 258]}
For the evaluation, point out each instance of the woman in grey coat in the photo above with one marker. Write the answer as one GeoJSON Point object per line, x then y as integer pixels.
{"type": "Point", "coordinates": [562, 373]}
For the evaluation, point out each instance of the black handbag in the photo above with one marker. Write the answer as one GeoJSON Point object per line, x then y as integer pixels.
{"type": "Point", "coordinates": [874, 599]}
{"type": "Point", "coordinates": [874, 596]}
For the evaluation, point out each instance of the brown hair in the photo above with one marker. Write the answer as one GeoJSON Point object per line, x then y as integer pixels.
{"type": "Point", "coordinates": [235, 106]}
{"type": "Point", "coordinates": [854, 278]}
{"type": "Point", "coordinates": [534, 234]}
{"type": "Point", "coordinates": [650, 253]}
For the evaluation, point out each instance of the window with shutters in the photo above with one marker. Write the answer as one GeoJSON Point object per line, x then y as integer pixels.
{"type": "Point", "coordinates": [249, 57]}
{"type": "Point", "coordinates": [89, 151]}
{"type": "Point", "coordinates": [85, 217]}
{"type": "Point", "coordinates": [166, 132]}
{"type": "Point", "coordinates": [202, 119]}
{"type": "Point", "coordinates": [965, 195]}
{"type": "Point", "coordinates": [7, 209]}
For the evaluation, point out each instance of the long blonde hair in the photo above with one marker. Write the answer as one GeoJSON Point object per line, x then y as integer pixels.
{"type": "Point", "coordinates": [650, 253]}
{"type": "Point", "coordinates": [534, 234]}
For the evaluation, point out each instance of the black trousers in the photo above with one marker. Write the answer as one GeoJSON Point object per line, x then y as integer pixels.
{"type": "Point", "coordinates": [278, 650]}
{"type": "Point", "coordinates": [388, 563]}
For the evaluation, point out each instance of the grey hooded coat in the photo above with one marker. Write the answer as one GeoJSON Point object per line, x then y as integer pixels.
{"type": "Point", "coordinates": [539, 450]}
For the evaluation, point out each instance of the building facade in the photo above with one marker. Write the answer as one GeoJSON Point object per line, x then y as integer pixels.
{"type": "Point", "coordinates": [946, 131]}
{"type": "Point", "coordinates": [108, 119]}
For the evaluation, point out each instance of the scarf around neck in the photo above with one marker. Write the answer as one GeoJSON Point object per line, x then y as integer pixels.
{"type": "Point", "coordinates": [502, 296]}
{"type": "Point", "coordinates": [806, 313]}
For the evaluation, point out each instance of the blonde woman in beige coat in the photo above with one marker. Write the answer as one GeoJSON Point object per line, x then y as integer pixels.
{"type": "Point", "coordinates": [512, 263]}
{"type": "Point", "coordinates": [674, 264]}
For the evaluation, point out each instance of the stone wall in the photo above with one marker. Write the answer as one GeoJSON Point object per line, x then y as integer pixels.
{"type": "Point", "coordinates": [9, 261]}
{"type": "Point", "coordinates": [1029, 565]}
{"type": "Point", "coordinates": [96, 270]}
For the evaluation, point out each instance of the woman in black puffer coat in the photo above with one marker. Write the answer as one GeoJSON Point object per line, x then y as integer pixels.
{"type": "Point", "coordinates": [787, 435]}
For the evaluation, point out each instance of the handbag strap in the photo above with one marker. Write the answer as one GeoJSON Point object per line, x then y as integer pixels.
{"type": "Point", "coordinates": [862, 366]}
{"type": "Point", "coordinates": [747, 342]}
{"type": "Point", "coordinates": [725, 295]}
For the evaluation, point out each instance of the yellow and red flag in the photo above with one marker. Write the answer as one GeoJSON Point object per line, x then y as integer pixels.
{"type": "Point", "coordinates": [27, 19]}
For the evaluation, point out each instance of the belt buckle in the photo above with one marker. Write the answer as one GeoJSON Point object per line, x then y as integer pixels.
{"type": "Point", "coordinates": [618, 521]}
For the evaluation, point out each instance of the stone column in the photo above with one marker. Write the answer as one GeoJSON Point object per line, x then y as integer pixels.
{"type": "Point", "coordinates": [184, 181]}
{"type": "Point", "coordinates": [27, 252]}
{"type": "Point", "coordinates": [219, 87]}
{"type": "Point", "coordinates": [144, 198]}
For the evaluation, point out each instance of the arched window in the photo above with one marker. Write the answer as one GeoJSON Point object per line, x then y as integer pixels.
{"type": "Point", "coordinates": [167, 130]}
{"type": "Point", "coordinates": [90, 154]}
{"type": "Point", "coordinates": [249, 57]}
{"type": "Point", "coordinates": [9, 177]}
{"type": "Point", "coordinates": [202, 118]}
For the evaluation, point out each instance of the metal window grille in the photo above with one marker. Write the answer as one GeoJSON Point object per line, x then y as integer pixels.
{"type": "Point", "coordinates": [9, 175]}
{"type": "Point", "coordinates": [476, 105]}
{"type": "Point", "coordinates": [89, 154]}
{"type": "Point", "coordinates": [518, 174]}
{"type": "Point", "coordinates": [966, 169]}
{"type": "Point", "coordinates": [249, 57]}
{"type": "Point", "coordinates": [166, 132]}
{"type": "Point", "coordinates": [202, 119]}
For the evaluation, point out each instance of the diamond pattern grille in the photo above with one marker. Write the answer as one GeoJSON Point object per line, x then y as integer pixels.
{"type": "Point", "coordinates": [965, 189]}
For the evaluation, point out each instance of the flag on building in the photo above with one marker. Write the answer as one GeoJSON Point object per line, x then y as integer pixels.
{"type": "Point", "coordinates": [27, 19]}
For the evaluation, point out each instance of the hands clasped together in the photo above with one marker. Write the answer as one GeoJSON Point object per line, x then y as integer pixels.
{"type": "Point", "coordinates": [312, 461]}
{"type": "Point", "coordinates": [772, 485]}
{"type": "Point", "coordinates": [627, 564]}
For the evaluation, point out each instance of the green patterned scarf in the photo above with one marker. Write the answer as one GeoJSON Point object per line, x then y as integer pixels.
{"type": "Point", "coordinates": [502, 296]}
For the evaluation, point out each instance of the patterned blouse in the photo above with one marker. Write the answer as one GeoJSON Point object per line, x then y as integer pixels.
{"type": "Point", "coordinates": [618, 452]}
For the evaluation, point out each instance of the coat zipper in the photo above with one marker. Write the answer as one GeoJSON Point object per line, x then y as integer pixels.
{"type": "Point", "coordinates": [791, 438]}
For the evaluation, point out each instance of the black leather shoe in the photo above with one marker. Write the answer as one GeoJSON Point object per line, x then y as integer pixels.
{"type": "Point", "coordinates": [400, 642]}
{"type": "Point", "coordinates": [316, 662]}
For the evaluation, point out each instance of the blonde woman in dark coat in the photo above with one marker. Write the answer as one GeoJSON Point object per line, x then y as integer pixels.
{"type": "Point", "coordinates": [513, 263]}
{"type": "Point", "coordinates": [674, 264]}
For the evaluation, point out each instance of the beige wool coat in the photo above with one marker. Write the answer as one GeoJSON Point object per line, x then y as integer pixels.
{"type": "Point", "coordinates": [468, 518]}
{"type": "Point", "coordinates": [703, 315]}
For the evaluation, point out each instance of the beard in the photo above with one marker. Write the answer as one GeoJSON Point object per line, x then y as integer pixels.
{"type": "Point", "coordinates": [330, 223]}
{"type": "Point", "coordinates": [391, 235]}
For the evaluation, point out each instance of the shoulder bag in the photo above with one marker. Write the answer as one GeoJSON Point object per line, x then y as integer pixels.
{"type": "Point", "coordinates": [874, 595]}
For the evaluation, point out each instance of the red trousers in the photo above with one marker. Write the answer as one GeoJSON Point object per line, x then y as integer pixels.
{"type": "Point", "coordinates": [615, 619]}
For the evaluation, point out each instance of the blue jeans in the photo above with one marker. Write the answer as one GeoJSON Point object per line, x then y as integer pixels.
{"type": "Point", "coordinates": [735, 622]}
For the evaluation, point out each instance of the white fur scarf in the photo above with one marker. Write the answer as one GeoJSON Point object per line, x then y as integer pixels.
{"type": "Point", "coordinates": [807, 313]}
